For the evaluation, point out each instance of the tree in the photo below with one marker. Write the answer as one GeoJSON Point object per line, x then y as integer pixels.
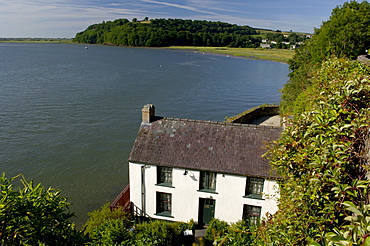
{"type": "Point", "coordinates": [33, 215]}
{"type": "Point", "coordinates": [345, 34]}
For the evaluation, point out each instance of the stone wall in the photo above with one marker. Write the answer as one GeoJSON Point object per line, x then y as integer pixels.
{"type": "Point", "coordinates": [254, 113]}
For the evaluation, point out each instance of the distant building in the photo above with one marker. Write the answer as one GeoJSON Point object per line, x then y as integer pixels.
{"type": "Point", "coordinates": [265, 46]}
{"type": "Point", "coordinates": [294, 46]}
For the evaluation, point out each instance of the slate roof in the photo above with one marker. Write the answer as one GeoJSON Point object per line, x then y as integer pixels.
{"type": "Point", "coordinates": [203, 145]}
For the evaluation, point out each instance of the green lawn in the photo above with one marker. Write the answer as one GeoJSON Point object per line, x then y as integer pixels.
{"type": "Point", "coordinates": [277, 55]}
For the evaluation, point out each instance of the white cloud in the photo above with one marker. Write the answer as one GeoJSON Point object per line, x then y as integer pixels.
{"type": "Point", "coordinates": [63, 19]}
{"type": "Point", "coordinates": [186, 7]}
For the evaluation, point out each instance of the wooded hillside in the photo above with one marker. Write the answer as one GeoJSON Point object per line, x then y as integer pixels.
{"type": "Point", "coordinates": [169, 32]}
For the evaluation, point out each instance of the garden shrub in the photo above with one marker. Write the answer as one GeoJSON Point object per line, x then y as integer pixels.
{"type": "Point", "coordinates": [34, 215]}
{"type": "Point", "coordinates": [216, 232]}
{"type": "Point", "coordinates": [221, 233]}
{"type": "Point", "coordinates": [157, 232]}
{"type": "Point", "coordinates": [101, 215]}
{"type": "Point", "coordinates": [112, 232]}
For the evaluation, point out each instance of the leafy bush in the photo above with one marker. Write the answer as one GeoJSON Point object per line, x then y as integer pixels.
{"type": "Point", "coordinates": [357, 232]}
{"type": "Point", "coordinates": [221, 233]}
{"type": "Point", "coordinates": [241, 233]}
{"type": "Point", "coordinates": [216, 232]}
{"type": "Point", "coordinates": [99, 216]}
{"type": "Point", "coordinates": [33, 215]}
{"type": "Point", "coordinates": [156, 232]}
{"type": "Point", "coordinates": [111, 232]}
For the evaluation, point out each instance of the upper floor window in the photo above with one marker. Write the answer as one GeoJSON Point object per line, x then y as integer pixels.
{"type": "Point", "coordinates": [164, 175]}
{"type": "Point", "coordinates": [207, 181]}
{"type": "Point", "coordinates": [164, 203]}
{"type": "Point", "coordinates": [254, 187]}
{"type": "Point", "coordinates": [252, 214]}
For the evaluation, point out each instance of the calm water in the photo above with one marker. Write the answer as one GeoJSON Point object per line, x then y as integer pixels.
{"type": "Point", "coordinates": [69, 115]}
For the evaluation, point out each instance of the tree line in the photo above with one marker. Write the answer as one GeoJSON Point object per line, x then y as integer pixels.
{"type": "Point", "coordinates": [169, 32]}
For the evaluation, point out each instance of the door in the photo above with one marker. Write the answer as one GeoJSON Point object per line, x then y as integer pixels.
{"type": "Point", "coordinates": [206, 211]}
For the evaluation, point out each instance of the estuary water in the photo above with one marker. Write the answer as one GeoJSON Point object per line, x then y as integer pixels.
{"type": "Point", "coordinates": [69, 114]}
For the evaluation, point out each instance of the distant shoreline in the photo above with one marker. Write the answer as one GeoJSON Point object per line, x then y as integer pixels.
{"type": "Point", "coordinates": [37, 40]}
{"type": "Point", "coordinates": [275, 55]}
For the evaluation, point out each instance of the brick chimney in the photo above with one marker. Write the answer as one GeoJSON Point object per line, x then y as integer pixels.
{"type": "Point", "coordinates": [148, 113]}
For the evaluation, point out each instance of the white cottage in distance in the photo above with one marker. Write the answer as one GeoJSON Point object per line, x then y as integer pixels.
{"type": "Point", "coordinates": [182, 169]}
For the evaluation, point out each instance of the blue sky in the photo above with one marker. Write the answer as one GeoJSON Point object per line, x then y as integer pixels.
{"type": "Point", "coordinates": [64, 18]}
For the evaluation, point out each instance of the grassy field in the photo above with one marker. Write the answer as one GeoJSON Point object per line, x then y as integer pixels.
{"type": "Point", "coordinates": [265, 31]}
{"type": "Point", "coordinates": [277, 55]}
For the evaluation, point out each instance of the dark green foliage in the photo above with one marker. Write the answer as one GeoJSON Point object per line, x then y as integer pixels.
{"type": "Point", "coordinates": [321, 158]}
{"type": "Point", "coordinates": [97, 217]}
{"type": "Point", "coordinates": [170, 32]}
{"type": "Point", "coordinates": [346, 34]}
{"type": "Point", "coordinates": [107, 227]}
{"type": "Point", "coordinates": [33, 215]}
{"type": "Point", "coordinates": [111, 232]}
{"type": "Point", "coordinates": [216, 232]}
{"type": "Point", "coordinates": [356, 233]}
{"type": "Point", "coordinates": [156, 232]}
{"type": "Point", "coordinates": [221, 233]}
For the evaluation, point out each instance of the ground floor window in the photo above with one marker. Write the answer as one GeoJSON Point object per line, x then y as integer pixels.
{"type": "Point", "coordinates": [164, 204]}
{"type": "Point", "coordinates": [252, 213]}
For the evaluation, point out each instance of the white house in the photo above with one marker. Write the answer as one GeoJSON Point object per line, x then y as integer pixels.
{"type": "Point", "coordinates": [265, 46]}
{"type": "Point", "coordinates": [182, 169]}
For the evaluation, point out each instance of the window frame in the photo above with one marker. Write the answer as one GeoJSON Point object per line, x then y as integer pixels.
{"type": "Point", "coordinates": [252, 213]}
{"type": "Point", "coordinates": [163, 204]}
{"type": "Point", "coordinates": [254, 187]}
{"type": "Point", "coordinates": [162, 179]}
{"type": "Point", "coordinates": [207, 181]}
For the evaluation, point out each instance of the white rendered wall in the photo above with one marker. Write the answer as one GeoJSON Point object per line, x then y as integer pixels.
{"type": "Point", "coordinates": [229, 194]}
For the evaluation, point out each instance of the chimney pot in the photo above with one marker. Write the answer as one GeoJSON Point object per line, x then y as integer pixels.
{"type": "Point", "coordinates": [148, 113]}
